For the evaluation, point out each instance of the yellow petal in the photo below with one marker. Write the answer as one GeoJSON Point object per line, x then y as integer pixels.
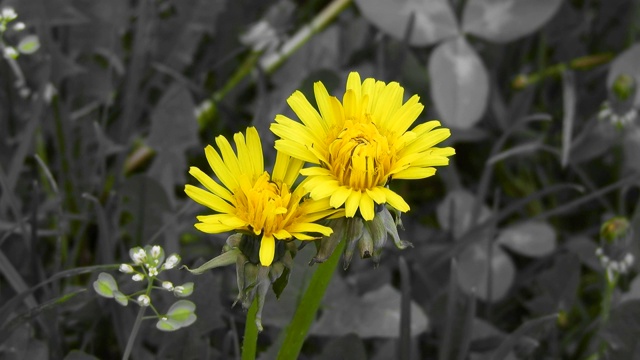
{"type": "Point", "coordinates": [282, 234]}
{"type": "Point", "coordinates": [306, 112]}
{"type": "Point", "coordinates": [223, 219]}
{"type": "Point", "coordinates": [255, 149]}
{"type": "Point", "coordinates": [310, 227]}
{"type": "Point", "coordinates": [366, 207]}
{"type": "Point", "coordinates": [395, 200]}
{"type": "Point", "coordinates": [213, 228]}
{"type": "Point", "coordinates": [304, 237]}
{"type": "Point", "coordinates": [354, 83]}
{"type": "Point", "coordinates": [324, 104]}
{"type": "Point", "coordinates": [315, 170]}
{"type": "Point", "coordinates": [340, 196]}
{"type": "Point", "coordinates": [267, 250]}
{"type": "Point", "coordinates": [325, 189]}
{"type": "Point", "coordinates": [294, 149]}
{"type": "Point", "coordinates": [219, 168]}
{"type": "Point", "coordinates": [293, 171]}
{"type": "Point", "coordinates": [294, 131]}
{"type": "Point", "coordinates": [352, 203]}
{"type": "Point", "coordinates": [406, 115]}
{"type": "Point", "coordinates": [208, 199]}
{"type": "Point", "coordinates": [211, 185]}
{"type": "Point", "coordinates": [377, 195]}
{"type": "Point", "coordinates": [229, 157]}
{"type": "Point", "coordinates": [415, 173]}
{"type": "Point", "coordinates": [425, 141]}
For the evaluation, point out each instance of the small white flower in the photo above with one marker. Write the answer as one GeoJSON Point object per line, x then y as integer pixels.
{"type": "Point", "coordinates": [138, 255]}
{"type": "Point", "coordinates": [19, 26]}
{"type": "Point", "coordinates": [156, 251]}
{"type": "Point", "coordinates": [599, 252]}
{"type": "Point", "coordinates": [629, 259]}
{"type": "Point", "coordinates": [172, 261]}
{"type": "Point", "coordinates": [126, 268]}
{"type": "Point", "coordinates": [144, 300]}
{"type": "Point", "coordinates": [178, 289]}
{"type": "Point", "coordinates": [137, 277]}
{"type": "Point", "coordinates": [153, 271]}
{"type": "Point", "coordinates": [614, 266]}
{"type": "Point", "coordinates": [10, 52]}
{"type": "Point", "coordinates": [8, 13]}
{"type": "Point", "coordinates": [167, 285]}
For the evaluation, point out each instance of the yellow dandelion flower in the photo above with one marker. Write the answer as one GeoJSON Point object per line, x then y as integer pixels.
{"type": "Point", "coordinates": [361, 144]}
{"type": "Point", "coordinates": [251, 201]}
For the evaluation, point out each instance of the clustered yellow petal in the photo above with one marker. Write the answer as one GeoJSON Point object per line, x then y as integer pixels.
{"type": "Point", "coordinates": [250, 200]}
{"type": "Point", "coordinates": [361, 144]}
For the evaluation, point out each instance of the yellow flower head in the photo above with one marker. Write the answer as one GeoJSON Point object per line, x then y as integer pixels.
{"type": "Point", "coordinates": [361, 144]}
{"type": "Point", "coordinates": [251, 201]}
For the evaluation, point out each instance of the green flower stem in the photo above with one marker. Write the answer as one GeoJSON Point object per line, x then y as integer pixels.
{"type": "Point", "coordinates": [297, 330]}
{"type": "Point", "coordinates": [269, 63]}
{"type": "Point", "coordinates": [250, 333]}
{"type": "Point", "coordinates": [134, 333]}
{"type": "Point", "coordinates": [138, 321]}
{"type": "Point", "coordinates": [582, 63]}
{"type": "Point", "coordinates": [610, 285]}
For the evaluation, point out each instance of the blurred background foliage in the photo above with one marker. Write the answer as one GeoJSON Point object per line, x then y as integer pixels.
{"type": "Point", "coordinates": [105, 104]}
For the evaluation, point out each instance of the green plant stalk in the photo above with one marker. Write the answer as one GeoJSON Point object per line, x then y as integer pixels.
{"type": "Point", "coordinates": [522, 81]}
{"type": "Point", "coordinates": [250, 333]}
{"type": "Point", "coordinates": [605, 311]}
{"type": "Point", "coordinates": [299, 326]}
{"type": "Point", "coordinates": [138, 321]}
{"type": "Point", "coordinates": [268, 62]}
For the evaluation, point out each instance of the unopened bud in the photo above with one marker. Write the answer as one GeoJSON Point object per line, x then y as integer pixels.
{"type": "Point", "coordinates": [137, 277]}
{"type": "Point", "coordinates": [172, 261]}
{"type": "Point", "coordinates": [138, 255]}
{"type": "Point", "coordinates": [144, 300]}
{"type": "Point", "coordinates": [167, 285]}
{"type": "Point", "coordinates": [126, 268]}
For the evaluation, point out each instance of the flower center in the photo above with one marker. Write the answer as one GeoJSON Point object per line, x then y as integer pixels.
{"type": "Point", "coordinates": [360, 157]}
{"type": "Point", "coordinates": [263, 205]}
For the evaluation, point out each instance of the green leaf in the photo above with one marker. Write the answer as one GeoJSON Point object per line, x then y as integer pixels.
{"type": "Point", "coordinates": [374, 314]}
{"type": "Point", "coordinates": [506, 20]}
{"type": "Point", "coordinates": [186, 290]}
{"type": "Point", "coordinates": [224, 259]}
{"type": "Point", "coordinates": [349, 346]}
{"type": "Point", "coordinates": [530, 238]}
{"type": "Point", "coordinates": [180, 314]}
{"type": "Point", "coordinates": [174, 128]}
{"type": "Point", "coordinates": [29, 44]}
{"type": "Point", "coordinates": [455, 211]}
{"type": "Point", "coordinates": [281, 283]}
{"type": "Point", "coordinates": [105, 285]}
{"type": "Point", "coordinates": [459, 83]}
{"type": "Point", "coordinates": [433, 19]}
{"type": "Point", "coordinates": [121, 298]}
{"type": "Point", "coordinates": [536, 328]}
{"type": "Point", "coordinates": [146, 202]}
{"type": "Point", "coordinates": [473, 274]}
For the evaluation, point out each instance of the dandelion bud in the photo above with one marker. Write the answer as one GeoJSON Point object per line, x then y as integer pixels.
{"type": "Point", "coordinates": [126, 268]}
{"type": "Point", "coordinates": [144, 300]}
